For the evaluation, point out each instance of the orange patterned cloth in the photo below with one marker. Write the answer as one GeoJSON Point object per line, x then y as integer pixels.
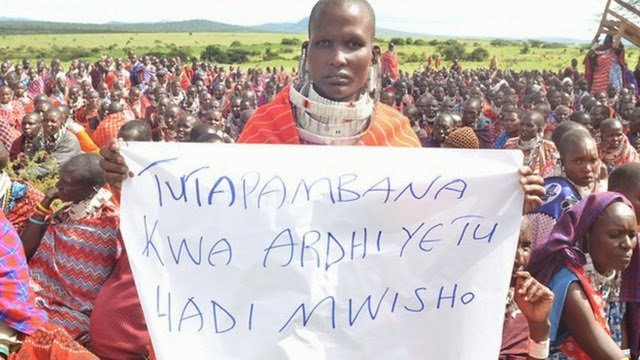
{"type": "Point", "coordinates": [51, 342]}
{"type": "Point", "coordinates": [108, 129]}
{"type": "Point", "coordinates": [274, 124]}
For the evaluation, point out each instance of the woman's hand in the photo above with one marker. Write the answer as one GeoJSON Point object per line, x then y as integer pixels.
{"type": "Point", "coordinates": [534, 299]}
{"type": "Point", "coordinates": [533, 186]}
{"type": "Point", "coordinates": [115, 169]}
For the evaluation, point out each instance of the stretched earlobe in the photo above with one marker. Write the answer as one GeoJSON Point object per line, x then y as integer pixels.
{"type": "Point", "coordinates": [374, 85]}
{"type": "Point", "coordinates": [303, 69]}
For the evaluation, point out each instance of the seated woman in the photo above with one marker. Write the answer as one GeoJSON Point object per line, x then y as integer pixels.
{"type": "Point", "coordinates": [525, 330]}
{"type": "Point", "coordinates": [601, 230]}
{"type": "Point", "coordinates": [539, 154]}
{"type": "Point", "coordinates": [579, 176]}
{"type": "Point", "coordinates": [72, 251]}
{"type": "Point", "coordinates": [615, 149]}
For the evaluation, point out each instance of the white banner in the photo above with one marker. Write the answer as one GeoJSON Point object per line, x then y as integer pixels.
{"type": "Point", "coordinates": [304, 252]}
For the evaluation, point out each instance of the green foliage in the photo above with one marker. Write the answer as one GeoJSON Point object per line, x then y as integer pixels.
{"type": "Point", "coordinates": [478, 54]}
{"type": "Point", "coordinates": [525, 49]}
{"type": "Point", "coordinates": [411, 58]}
{"type": "Point", "coordinates": [419, 42]}
{"type": "Point", "coordinates": [270, 55]}
{"type": "Point", "coordinates": [215, 54]}
{"type": "Point", "coordinates": [536, 43]}
{"type": "Point", "coordinates": [291, 42]}
{"type": "Point", "coordinates": [26, 171]}
{"type": "Point", "coordinates": [547, 45]}
{"type": "Point", "coordinates": [398, 41]}
{"type": "Point", "coordinates": [239, 56]}
{"type": "Point", "coordinates": [433, 42]}
{"type": "Point", "coordinates": [236, 44]}
{"type": "Point", "coordinates": [452, 52]}
{"type": "Point", "coordinates": [408, 41]}
{"type": "Point", "coordinates": [502, 43]}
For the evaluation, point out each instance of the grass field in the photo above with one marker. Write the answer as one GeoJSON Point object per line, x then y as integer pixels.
{"type": "Point", "coordinates": [92, 46]}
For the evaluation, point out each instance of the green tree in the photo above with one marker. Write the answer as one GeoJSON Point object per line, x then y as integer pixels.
{"type": "Point", "coordinates": [214, 54]}
{"type": "Point", "coordinates": [478, 54]}
{"type": "Point", "coordinates": [452, 52]}
{"type": "Point", "coordinates": [398, 41]}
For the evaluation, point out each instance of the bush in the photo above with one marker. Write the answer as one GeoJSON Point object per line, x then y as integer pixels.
{"type": "Point", "coordinates": [478, 54]}
{"type": "Point", "coordinates": [398, 41]}
{"type": "Point", "coordinates": [433, 42]}
{"type": "Point", "coordinates": [501, 43]}
{"type": "Point", "coordinates": [525, 49]}
{"type": "Point", "coordinates": [553, 46]}
{"type": "Point", "coordinates": [420, 42]}
{"type": "Point", "coordinates": [413, 58]}
{"type": "Point", "coordinates": [236, 44]}
{"type": "Point", "coordinates": [270, 55]}
{"type": "Point", "coordinates": [536, 43]}
{"type": "Point", "coordinates": [239, 56]}
{"type": "Point", "coordinates": [409, 41]}
{"type": "Point", "coordinates": [291, 42]}
{"type": "Point", "coordinates": [214, 54]}
{"type": "Point", "coordinates": [452, 52]}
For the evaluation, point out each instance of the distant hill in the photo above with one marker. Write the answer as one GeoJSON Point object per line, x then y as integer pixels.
{"type": "Point", "coordinates": [302, 26]}
{"type": "Point", "coordinates": [18, 26]}
{"type": "Point", "coordinates": [11, 26]}
{"type": "Point", "coordinates": [289, 28]}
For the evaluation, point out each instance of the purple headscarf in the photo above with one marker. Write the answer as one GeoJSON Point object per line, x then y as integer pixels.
{"type": "Point", "coordinates": [561, 249]}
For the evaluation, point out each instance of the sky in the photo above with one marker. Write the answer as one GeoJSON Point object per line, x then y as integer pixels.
{"type": "Point", "coordinates": [574, 19]}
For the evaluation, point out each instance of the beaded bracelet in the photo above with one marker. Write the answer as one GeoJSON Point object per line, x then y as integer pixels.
{"type": "Point", "coordinates": [41, 208]}
{"type": "Point", "coordinates": [37, 222]}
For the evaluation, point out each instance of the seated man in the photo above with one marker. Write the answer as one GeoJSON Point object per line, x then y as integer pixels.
{"type": "Point", "coordinates": [59, 144]}
{"type": "Point", "coordinates": [72, 251]}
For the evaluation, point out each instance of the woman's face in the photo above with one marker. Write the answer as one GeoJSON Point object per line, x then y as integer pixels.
{"type": "Point", "coordinates": [612, 238]}
{"type": "Point", "coordinates": [528, 130]}
{"type": "Point", "coordinates": [340, 50]}
{"type": "Point", "coordinates": [582, 163]}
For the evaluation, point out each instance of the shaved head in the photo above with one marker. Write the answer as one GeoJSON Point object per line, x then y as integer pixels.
{"type": "Point", "coordinates": [575, 139]}
{"type": "Point", "coordinates": [321, 4]}
{"type": "Point", "coordinates": [610, 124]}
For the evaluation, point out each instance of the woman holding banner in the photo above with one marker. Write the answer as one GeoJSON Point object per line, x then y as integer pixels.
{"type": "Point", "coordinates": [331, 104]}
